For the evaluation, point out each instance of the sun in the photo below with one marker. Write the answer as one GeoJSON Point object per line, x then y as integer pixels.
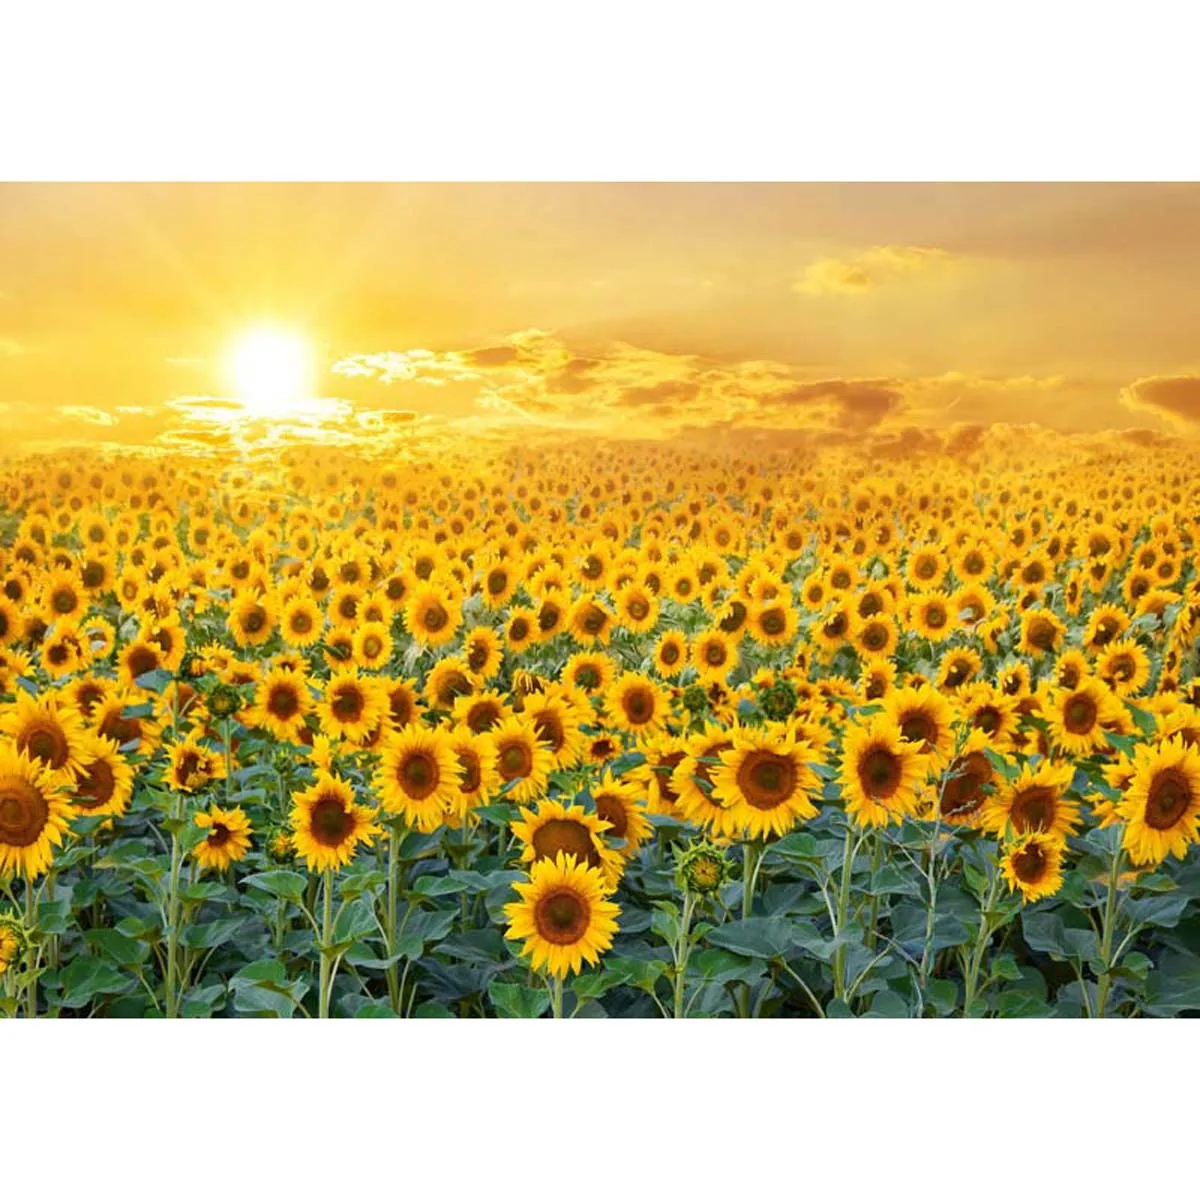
{"type": "Point", "coordinates": [271, 370]}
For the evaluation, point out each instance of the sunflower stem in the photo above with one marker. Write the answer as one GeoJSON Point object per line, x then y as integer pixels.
{"type": "Point", "coordinates": [876, 862]}
{"type": "Point", "coordinates": [173, 908]}
{"type": "Point", "coordinates": [843, 908]}
{"type": "Point", "coordinates": [753, 860]}
{"type": "Point", "coordinates": [682, 950]}
{"type": "Point", "coordinates": [1107, 928]}
{"type": "Point", "coordinates": [556, 997]}
{"type": "Point", "coordinates": [326, 944]}
{"type": "Point", "coordinates": [31, 914]}
{"type": "Point", "coordinates": [982, 940]}
{"type": "Point", "coordinates": [393, 893]}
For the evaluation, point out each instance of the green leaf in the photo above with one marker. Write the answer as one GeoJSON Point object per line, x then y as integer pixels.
{"type": "Point", "coordinates": [86, 977]}
{"type": "Point", "coordinates": [516, 1000]}
{"type": "Point", "coordinates": [374, 1010]}
{"type": "Point", "coordinates": [755, 937]}
{"type": "Point", "coordinates": [212, 933]}
{"type": "Point", "coordinates": [438, 885]}
{"type": "Point", "coordinates": [288, 884]}
{"type": "Point", "coordinates": [1173, 988]}
{"type": "Point", "coordinates": [635, 972]}
{"type": "Point", "coordinates": [124, 951]}
{"type": "Point", "coordinates": [1164, 909]}
{"type": "Point", "coordinates": [200, 1002]}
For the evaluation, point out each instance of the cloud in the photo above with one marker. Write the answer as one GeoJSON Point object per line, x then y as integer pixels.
{"type": "Point", "coordinates": [1174, 398]}
{"type": "Point", "coordinates": [87, 414]}
{"type": "Point", "coordinates": [870, 269]}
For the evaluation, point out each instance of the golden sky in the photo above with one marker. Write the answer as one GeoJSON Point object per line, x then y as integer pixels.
{"type": "Point", "coordinates": [759, 311]}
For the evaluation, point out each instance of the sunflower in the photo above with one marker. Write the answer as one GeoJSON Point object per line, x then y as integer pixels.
{"type": "Point", "coordinates": [481, 649]}
{"type": "Point", "coordinates": [104, 784]}
{"type": "Point", "coordinates": [880, 772]}
{"type": "Point", "coordinates": [48, 730]}
{"type": "Point", "coordinates": [327, 825]}
{"type": "Point", "coordinates": [670, 654]}
{"type": "Point", "coordinates": [418, 777]}
{"type": "Point", "coordinates": [619, 803]}
{"type": "Point", "coordinates": [1035, 802]}
{"type": "Point", "coordinates": [932, 615]}
{"type": "Point", "coordinates": [125, 716]}
{"type": "Point", "coordinates": [1161, 804]}
{"type": "Point", "coordinates": [281, 702]}
{"type": "Point", "coordinates": [481, 711]}
{"type": "Point", "coordinates": [589, 622]}
{"type": "Point", "coordinates": [1041, 632]}
{"type": "Point", "coordinates": [1125, 667]}
{"type": "Point", "coordinates": [62, 652]}
{"type": "Point", "coordinates": [556, 720]}
{"type": "Point", "coordinates": [192, 765]}
{"type": "Point", "coordinates": [662, 755]}
{"type": "Point", "coordinates": [34, 813]}
{"type": "Point", "coordinates": [589, 671]}
{"type": "Point", "coordinates": [714, 655]}
{"type": "Point", "coordinates": [1077, 716]}
{"type": "Point", "coordinates": [1033, 865]}
{"type": "Point", "coordinates": [876, 636]}
{"type": "Point", "coordinates": [1106, 623]}
{"type": "Point", "coordinates": [958, 668]}
{"type": "Point", "coordinates": [447, 683]}
{"type": "Point", "coordinates": [984, 706]}
{"type": "Point", "coordinates": [967, 782]}
{"type": "Point", "coordinates": [228, 838]}
{"type": "Point", "coordinates": [351, 706]}
{"type": "Point", "coordinates": [636, 704]}
{"type": "Point", "coordinates": [301, 622]}
{"type": "Point", "coordinates": [431, 615]}
{"type": "Point", "coordinates": [522, 762]}
{"type": "Point", "coordinates": [553, 828]}
{"type": "Point", "coordinates": [691, 781]}
{"type": "Point", "coordinates": [63, 596]}
{"type": "Point", "coordinates": [766, 781]}
{"type": "Point", "coordinates": [251, 619]}
{"type": "Point", "coordinates": [924, 717]}
{"type": "Point", "coordinates": [772, 622]}
{"type": "Point", "coordinates": [562, 916]}
{"type": "Point", "coordinates": [138, 658]}
{"type": "Point", "coordinates": [478, 778]}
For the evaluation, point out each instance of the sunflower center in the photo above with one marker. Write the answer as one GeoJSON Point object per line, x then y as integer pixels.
{"type": "Point", "coordinates": [561, 918]}
{"type": "Point", "coordinates": [1033, 810]}
{"type": "Point", "coordinates": [670, 653]}
{"type": "Point", "coordinates": [988, 719]}
{"type": "Point", "coordinates": [879, 772]}
{"type": "Point", "coordinates": [254, 620]}
{"type": "Point", "coordinates": [372, 646]}
{"type": "Point", "coordinates": [283, 702]}
{"type": "Point", "coordinates": [93, 575]}
{"type": "Point", "coordinates": [453, 685]}
{"type": "Point", "coordinates": [587, 677]}
{"type": "Point", "coordinates": [560, 835]}
{"type": "Point", "coordinates": [964, 792]}
{"type": "Point", "coordinates": [142, 660]}
{"type": "Point", "coordinates": [96, 786]}
{"type": "Point", "coordinates": [550, 729]}
{"type": "Point", "coordinates": [348, 704]}
{"type": "Point", "coordinates": [663, 772]}
{"type": "Point", "coordinates": [519, 629]}
{"type": "Point", "coordinates": [735, 619]}
{"type": "Point", "coordinates": [121, 729]}
{"type": "Point", "coordinates": [434, 617]}
{"type": "Point", "coordinates": [1169, 797]}
{"type": "Point", "coordinates": [472, 776]}
{"type": "Point", "coordinates": [766, 780]}
{"type": "Point", "coordinates": [477, 656]}
{"type": "Point", "coordinates": [638, 705]}
{"type": "Point", "coordinates": [219, 836]}
{"type": "Point", "coordinates": [609, 808]}
{"type": "Point", "coordinates": [1029, 863]}
{"type": "Point", "coordinates": [301, 622]}
{"type": "Point", "coordinates": [592, 621]}
{"type": "Point", "coordinates": [935, 616]}
{"type": "Point", "coordinates": [875, 636]}
{"type": "Point", "coordinates": [330, 823]}
{"type": "Point", "coordinates": [23, 812]}
{"type": "Point", "coordinates": [773, 622]}
{"type": "Point", "coordinates": [918, 727]}
{"type": "Point", "coordinates": [1080, 714]}
{"type": "Point", "coordinates": [1041, 634]}
{"type": "Point", "coordinates": [419, 775]}
{"type": "Point", "coordinates": [47, 743]}
{"type": "Point", "coordinates": [515, 761]}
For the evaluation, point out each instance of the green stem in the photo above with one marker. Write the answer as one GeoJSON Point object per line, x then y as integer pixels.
{"type": "Point", "coordinates": [173, 909]}
{"type": "Point", "coordinates": [1108, 928]}
{"type": "Point", "coordinates": [876, 862]}
{"type": "Point", "coordinates": [843, 908]}
{"type": "Point", "coordinates": [393, 893]}
{"type": "Point", "coordinates": [326, 944]}
{"type": "Point", "coordinates": [982, 940]}
{"type": "Point", "coordinates": [753, 855]}
{"type": "Point", "coordinates": [556, 991]}
{"type": "Point", "coordinates": [682, 951]}
{"type": "Point", "coordinates": [31, 915]}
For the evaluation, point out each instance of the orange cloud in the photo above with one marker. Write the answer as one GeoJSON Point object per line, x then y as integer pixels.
{"type": "Point", "coordinates": [1174, 398]}
{"type": "Point", "coordinates": [871, 269]}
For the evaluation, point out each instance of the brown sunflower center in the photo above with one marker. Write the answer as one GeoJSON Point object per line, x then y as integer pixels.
{"type": "Point", "coordinates": [561, 917]}
{"type": "Point", "coordinates": [348, 703]}
{"type": "Point", "coordinates": [767, 780]}
{"type": "Point", "coordinates": [1030, 863]}
{"type": "Point", "coordinates": [477, 656]}
{"type": "Point", "coordinates": [966, 787]}
{"type": "Point", "coordinates": [142, 660]}
{"type": "Point", "coordinates": [47, 742]}
{"type": "Point", "coordinates": [715, 654]}
{"type": "Point", "coordinates": [95, 786]}
{"type": "Point", "coordinates": [23, 812]}
{"type": "Point", "coordinates": [638, 705]}
{"type": "Point", "coordinates": [918, 726]}
{"type": "Point", "coordinates": [880, 772]}
{"type": "Point", "coordinates": [434, 617]}
{"type": "Point", "coordinates": [418, 774]}
{"type": "Point", "coordinates": [609, 808]}
{"type": "Point", "coordinates": [587, 677]}
{"type": "Point", "coordinates": [219, 836]}
{"type": "Point", "coordinates": [774, 623]}
{"type": "Point", "coordinates": [935, 616]}
{"type": "Point", "coordinates": [1033, 809]}
{"type": "Point", "coordinates": [663, 772]}
{"type": "Point", "coordinates": [515, 761]}
{"type": "Point", "coordinates": [1170, 795]}
{"type": "Point", "coordinates": [670, 653]}
{"type": "Point", "coordinates": [550, 729]}
{"type": "Point", "coordinates": [255, 619]}
{"type": "Point", "coordinates": [283, 702]}
{"type": "Point", "coordinates": [562, 835]}
{"type": "Point", "coordinates": [301, 622]}
{"type": "Point", "coordinates": [330, 824]}
{"type": "Point", "coordinates": [472, 776]}
{"type": "Point", "coordinates": [734, 619]}
{"type": "Point", "coordinates": [1041, 634]}
{"type": "Point", "coordinates": [1079, 714]}
{"type": "Point", "coordinates": [592, 620]}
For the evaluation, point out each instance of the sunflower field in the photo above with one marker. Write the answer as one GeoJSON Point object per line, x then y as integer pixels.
{"type": "Point", "coordinates": [603, 731]}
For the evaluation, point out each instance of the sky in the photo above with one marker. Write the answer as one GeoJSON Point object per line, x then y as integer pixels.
{"type": "Point", "coordinates": [826, 312]}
